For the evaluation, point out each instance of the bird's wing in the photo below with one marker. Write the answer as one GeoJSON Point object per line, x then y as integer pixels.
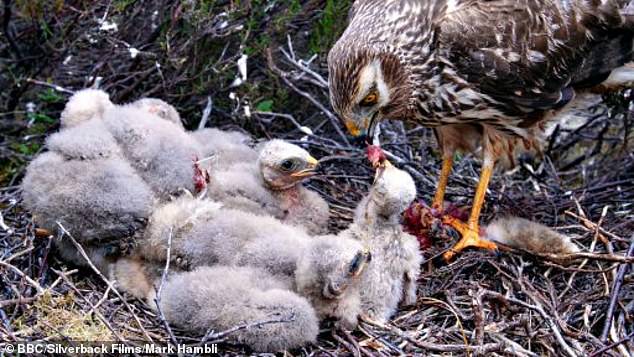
{"type": "Point", "coordinates": [528, 54]}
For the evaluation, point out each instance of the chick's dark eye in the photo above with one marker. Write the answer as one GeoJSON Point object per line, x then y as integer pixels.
{"type": "Point", "coordinates": [288, 165]}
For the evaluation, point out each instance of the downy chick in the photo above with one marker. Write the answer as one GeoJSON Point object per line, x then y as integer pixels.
{"type": "Point", "coordinates": [226, 148]}
{"type": "Point", "coordinates": [273, 186]}
{"type": "Point", "coordinates": [84, 105]}
{"type": "Point", "coordinates": [84, 141]}
{"type": "Point", "coordinates": [159, 108]}
{"type": "Point", "coordinates": [221, 297]}
{"type": "Point", "coordinates": [101, 202]}
{"type": "Point", "coordinates": [93, 199]}
{"type": "Point", "coordinates": [391, 276]}
{"type": "Point", "coordinates": [323, 269]}
{"type": "Point", "coordinates": [160, 150]}
{"type": "Point", "coordinates": [531, 236]}
{"type": "Point", "coordinates": [225, 297]}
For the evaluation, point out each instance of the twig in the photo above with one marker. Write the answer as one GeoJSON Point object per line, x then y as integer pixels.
{"type": "Point", "coordinates": [19, 301]}
{"type": "Point", "coordinates": [157, 298]}
{"type": "Point", "coordinates": [616, 288]}
{"type": "Point", "coordinates": [49, 85]}
{"type": "Point", "coordinates": [82, 252]}
{"type": "Point", "coordinates": [32, 282]}
{"type": "Point", "coordinates": [206, 113]}
{"type": "Point", "coordinates": [214, 337]}
{"type": "Point", "coordinates": [611, 346]}
{"type": "Point", "coordinates": [537, 307]}
{"type": "Point", "coordinates": [333, 119]}
{"type": "Point", "coordinates": [4, 226]}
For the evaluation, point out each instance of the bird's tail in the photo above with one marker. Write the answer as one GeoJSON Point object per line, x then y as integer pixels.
{"type": "Point", "coordinates": [530, 236]}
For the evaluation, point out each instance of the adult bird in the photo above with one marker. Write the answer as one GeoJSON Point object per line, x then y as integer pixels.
{"type": "Point", "coordinates": [483, 74]}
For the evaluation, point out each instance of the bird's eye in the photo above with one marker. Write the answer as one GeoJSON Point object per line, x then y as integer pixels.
{"type": "Point", "coordinates": [288, 165]}
{"type": "Point", "coordinates": [370, 99]}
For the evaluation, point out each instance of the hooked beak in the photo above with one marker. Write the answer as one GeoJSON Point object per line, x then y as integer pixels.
{"type": "Point", "coordinates": [367, 128]}
{"type": "Point", "coordinates": [333, 291]}
{"type": "Point", "coordinates": [309, 171]}
{"type": "Point", "coordinates": [372, 126]}
{"type": "Point", "coordinates": [359, 263]}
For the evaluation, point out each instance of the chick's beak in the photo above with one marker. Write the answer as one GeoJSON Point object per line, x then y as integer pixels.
{"type": "Point", "coordinates": [360, 262]}
{"type": "Point", "coordinates": [311, 166]}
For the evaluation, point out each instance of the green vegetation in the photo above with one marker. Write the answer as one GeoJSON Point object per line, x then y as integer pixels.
{"type": "Point", "coordinates": [196, 45]}
{"type": "Point", "coordinates": [331, 24]}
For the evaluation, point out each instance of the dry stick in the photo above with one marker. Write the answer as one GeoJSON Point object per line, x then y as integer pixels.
{"type": "Point", "coordinates": [32, 282]}
{"type": "Point", "coordinates": [331, 116]}
{"type": "Point", "coordinates": [206, 113]}
{"type": "Point", "coordinates": [584, 255]}
{"type": "Point", "coordinates": [512, 346]}
{"type": "Point", "coordinates": [157, 298]}
{"type": "Point", "coordinates": [295, 123]}
{"type": "Point", "coordinates": [49, 85]}
{"type": "Point", "coordinates": [537, 307]}
{"type": "Point", "coordinates": [476, 349]}
{"type": "Point", "coordinates": [82, 252]}
{"type": "Point", "coordinates": [615, 344]}
{"type": "Point", "coordinates": [478, 315]}
{"type": "Point", "coordinates": [318, 79]}
{"type": "Point", "coordinates": [101, 301]}
{"type": "Point", "coordinates": [596, 236]}
{"type": "Point", "coordinates": [216, 337]}
{"type": "Point", "coordinates": [355, 343]}
{"type": "Point", "coordinates": [352, 347]}
{"type": "Point", "coordinates": [591, 225]}
{"type": "Point", "coordinates": [616, 287]}
{"type": "Point", "coordinates": [19, 301]}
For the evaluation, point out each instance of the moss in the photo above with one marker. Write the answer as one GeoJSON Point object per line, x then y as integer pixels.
{"type": "Point", "coordinates": [60, 316]}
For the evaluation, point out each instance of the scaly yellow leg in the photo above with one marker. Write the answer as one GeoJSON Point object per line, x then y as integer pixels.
{"type": "Point", "coordinates": [439, 197]}
{"type": "Point", "coordinates": [471, 231]}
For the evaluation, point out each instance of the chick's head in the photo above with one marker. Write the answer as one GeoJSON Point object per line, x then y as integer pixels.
{"type": "Point", "coordinates": [83, 106]}
{"type": "Point", "coordinates": [284, 165]}
{"type": "Point", "coordinates": [159, 108]}
{"type": "Point", "coordinates": [328, 274]}
{"type": "Point", "coordinates": [392, 192]}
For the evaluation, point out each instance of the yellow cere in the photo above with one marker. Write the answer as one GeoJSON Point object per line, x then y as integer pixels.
{"type": "Point", "coordinates": [353, 129]}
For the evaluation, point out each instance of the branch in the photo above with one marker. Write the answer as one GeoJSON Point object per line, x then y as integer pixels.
{"type": "Point", "coordinates": [615, 294]}
{"type": "Point", "coordinates": [157, 298]}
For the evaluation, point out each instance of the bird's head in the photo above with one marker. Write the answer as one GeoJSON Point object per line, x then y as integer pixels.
{"type": "Point", "coordinates": [159, 108]}
{"type": "Point", "coordinates": [392, 192]}
{"type": "Point", "coordinates": [367, 86]}
{"type": "Point", "coordinates": [284, 165]}
{"type": "Point", "coordinates": [329, 272]}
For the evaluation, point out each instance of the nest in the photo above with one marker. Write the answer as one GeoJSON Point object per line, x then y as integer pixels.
{"type": "Point", "coordinates": [510, 303]}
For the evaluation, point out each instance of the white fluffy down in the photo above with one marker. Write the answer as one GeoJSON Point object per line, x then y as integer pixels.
{"type": "Point", "coordinates": [84, 105]}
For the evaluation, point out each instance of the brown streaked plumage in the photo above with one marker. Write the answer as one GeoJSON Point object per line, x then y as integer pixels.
{"type": "Point", "coordinates": [487, 74]}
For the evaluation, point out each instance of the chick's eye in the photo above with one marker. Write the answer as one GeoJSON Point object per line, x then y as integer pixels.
{"type": "Point", "coordinates": [288, 165]}
{"type": "Point", "coordinates": [370, 99]}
